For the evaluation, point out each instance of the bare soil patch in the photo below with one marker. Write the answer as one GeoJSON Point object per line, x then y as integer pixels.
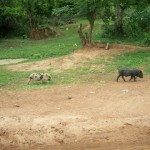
{"type": "Point", "coordinates": [102, 116]}
{"type": "Point", "coordinates": [10, 61]}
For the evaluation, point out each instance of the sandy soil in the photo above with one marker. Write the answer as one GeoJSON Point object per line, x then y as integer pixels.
{"type": "Point", "coordinates": [104, 116]}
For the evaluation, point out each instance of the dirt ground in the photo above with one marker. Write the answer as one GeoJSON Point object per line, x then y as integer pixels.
{"type": "Point", "coordinates": [102, 116]}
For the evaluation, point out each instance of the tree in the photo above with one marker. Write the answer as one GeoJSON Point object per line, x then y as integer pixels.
{"type": "Point", "coordinates": [88, 9]}
{"type": "Point", "coordinates": [10, 16]}
{"type": "Point", "coordinates": [38, 12]}
{"type": "Point", "coordinates": [121, 6]}
{"type": "Point", "coordinates": [119, 16]}
{"type": "Point", "coordinates": [64, 12]}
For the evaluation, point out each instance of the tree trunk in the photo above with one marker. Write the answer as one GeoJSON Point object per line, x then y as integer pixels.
{"type": "Point", "coordinates": [90, 32]}
{"type": "Point", "coordinates": [32, 24]}
{"type": "Point", "coordinates": [81, 35]}
{"type": "Point", "coordinates": [31, 20]}
{"type": "Point", "coordinates": [119, 17]}
{"type": "Point", "coordinates": [91, 18]}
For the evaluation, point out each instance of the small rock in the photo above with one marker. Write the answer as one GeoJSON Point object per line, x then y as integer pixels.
{"type": "Point", "coordinates": [75, 44]}
{"type": "Point", "coordinates": [128, 124]}
{"type": "Point", "coordinates": [69, 97]}
{"type": "Point", "coordinates": [56, 130]}
{"type": "Point", "coordinates": [16, 105]}
{"type": "Point", "coordinates": [61, 141]}
{"type": "Point", "coordinates": [61, 131]}
{"type": "Point", "coordinates": [52, 127]}
{"type": "Point", "coordinates": [92, 92]}
{"type": "Point", "coordinates": [40, 143]}
{"type": "Point", "coordinates": [125, 90]}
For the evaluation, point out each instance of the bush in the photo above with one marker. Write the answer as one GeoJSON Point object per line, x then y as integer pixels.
{"type": "Point", "coordinates": [63, 15]}
{"type": "Point", "coordinates": [147, 40]}
{"type": "Point", "coordinates": [136, 23]}
{"type": "Point", "coordinates": [108, 31]}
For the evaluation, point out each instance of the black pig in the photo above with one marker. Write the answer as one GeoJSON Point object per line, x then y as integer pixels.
{"type": "Point", "coordinates": [129, 72]}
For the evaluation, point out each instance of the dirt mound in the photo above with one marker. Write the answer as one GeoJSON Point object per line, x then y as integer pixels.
{"type": "Point", "coordinates": [75, 59]}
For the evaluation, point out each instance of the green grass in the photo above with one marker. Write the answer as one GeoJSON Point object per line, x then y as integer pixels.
{"type": "Point", "coordinates": [139, 59]}
{"type": "Point", "coordinates": [32, 50]}
{"type": "Point", "coordinates": [11, 79]}
{"type": "Point", "coordinates": [133, 41]}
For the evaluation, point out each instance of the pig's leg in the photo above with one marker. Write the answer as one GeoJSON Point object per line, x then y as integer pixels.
{"type": "Point", "coordinates": [123, 78]}
{"type": "Point", "coordinates": [118, 78]}
{"type": "Point", "coordinates": [134, 78]}
{"type": "Point", "coordinates": [131, 78]}
{"type": "Point", "coordinates": [29, 80]}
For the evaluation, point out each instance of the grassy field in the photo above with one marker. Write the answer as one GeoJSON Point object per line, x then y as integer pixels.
{"type": "Point", "coordinates": [63, 45]}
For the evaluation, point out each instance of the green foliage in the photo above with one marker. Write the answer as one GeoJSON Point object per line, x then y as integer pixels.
{"type": "Point", "coordinates": [62, 15]}
{"type": "Point", "coordinates": [16, 16]}
{"type": "Point", "coordinates": [37, 11]}
{"type": "Point", "coordinates": [147, 40]}
{"type": "Point", "coordinates": [11, 17]}
{"type": "Point", "coordinates": [64, 12]}
{"type": "Point", "coordinates": [88, 8]}
{"type": "Point", "coordinates": [107, 14]}
{"type": "Point", "coordinates": [135, 19]}
{"type": "Point", "coordinates": [136, 22]}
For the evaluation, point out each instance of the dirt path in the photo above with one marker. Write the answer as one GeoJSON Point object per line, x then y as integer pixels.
{"type": "Point", "coordinates": [104, 116]}
{"type": "Point", "coordinates": [11, 61]}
